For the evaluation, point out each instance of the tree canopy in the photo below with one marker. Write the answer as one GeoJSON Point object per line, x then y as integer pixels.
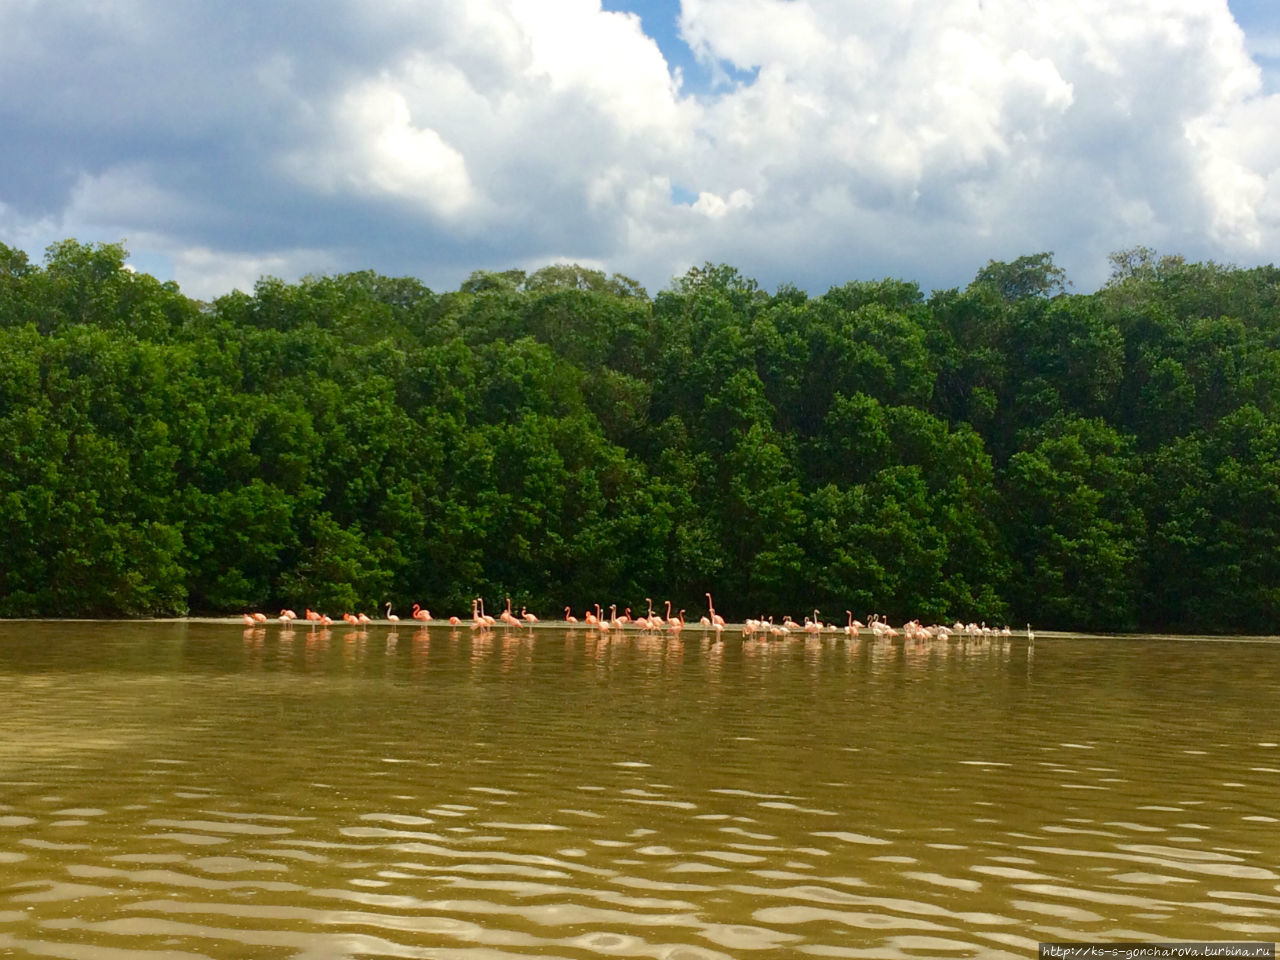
{"type": "Point", "coordinates": [1007, 451]}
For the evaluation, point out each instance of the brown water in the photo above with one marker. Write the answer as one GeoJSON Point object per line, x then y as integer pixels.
{"type": "Point", "coordinates": [196, 790]}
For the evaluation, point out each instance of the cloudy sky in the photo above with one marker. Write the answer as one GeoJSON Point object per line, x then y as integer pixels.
{"type": "Point", "coordinates": [808, 141]}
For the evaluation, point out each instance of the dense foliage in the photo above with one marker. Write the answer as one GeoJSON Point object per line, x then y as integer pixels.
{"type": "Point", "coordinates": [1004, 452]}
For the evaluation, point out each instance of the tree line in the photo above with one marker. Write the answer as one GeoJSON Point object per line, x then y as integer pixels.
{"type": "Point", "coordinates": [1009, 451]}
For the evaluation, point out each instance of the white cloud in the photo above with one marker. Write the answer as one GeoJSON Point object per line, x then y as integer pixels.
{"type": "Point", "coordinates": [715, 207]}
{"type": "Point", "coordinates": [847, 138]}
{"type": "Point", "coordinates": [207, 274]}
{"type": "Point", "coordinates": [1029, 126]}
{"type": "Point", "coordinates": [124, 196]}
{"type": "Point", "coordinates": [378, 149]}
{"type": "Point", "coordinates": [576, 49]}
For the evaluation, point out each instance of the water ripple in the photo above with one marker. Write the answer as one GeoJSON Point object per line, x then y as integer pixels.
{"type": "Point", "coordinates": [699, 801]}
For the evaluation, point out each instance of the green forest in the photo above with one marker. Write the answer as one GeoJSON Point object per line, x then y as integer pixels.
{"type": "Point", "coordinates": [1010, 451]}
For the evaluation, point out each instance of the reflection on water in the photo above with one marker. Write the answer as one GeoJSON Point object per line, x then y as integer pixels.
{"type": "Point", "coordinates": [195, 790]}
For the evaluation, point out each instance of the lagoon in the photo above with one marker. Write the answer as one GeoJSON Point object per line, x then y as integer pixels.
{"type": "Point", "coordinates": [187, 790]}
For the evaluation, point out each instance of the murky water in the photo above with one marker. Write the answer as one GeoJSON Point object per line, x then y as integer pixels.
{"type": "Point", "coordinates": [196, 790]}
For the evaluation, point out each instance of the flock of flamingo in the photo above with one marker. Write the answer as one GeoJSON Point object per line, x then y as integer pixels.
{"type": "Point", "coordinates": [652, 621]}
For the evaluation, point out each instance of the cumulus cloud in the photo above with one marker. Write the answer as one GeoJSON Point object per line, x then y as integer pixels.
{"type": "Point", "coordinates": [713, 206]}
{"type": "Point", "coordinates": [1000, 126]}
{"type": "Point", "coordinates": [376, 148]}
{"type": "Point", "coordinates": [206, 273]}
{"type": "Point", "coordinates": [840, 138]}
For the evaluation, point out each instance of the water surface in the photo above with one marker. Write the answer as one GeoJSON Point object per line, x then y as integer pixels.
{"type": "Point", "coordinates": [198, 790]}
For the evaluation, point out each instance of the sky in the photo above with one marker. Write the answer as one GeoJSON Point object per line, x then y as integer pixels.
{"type": "Point", "coordinates": [811, 142]}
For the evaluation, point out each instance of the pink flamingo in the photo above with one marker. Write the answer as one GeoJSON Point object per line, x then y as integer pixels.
{"type": "Point", "coordinates": [248, 620]}
{"type": "Point", "coordinates": [391, 616]}
{"type": "Point", "coordinates": [420, 614]}
{"type": "Point", "coordinates": [677, 625]}
{"type": "Point", "coordinates": [651, 621]}
{"type": "Point", "coordinates": [361, 618]}
{"type": "Point", "coordinates": [311, 614]}
{"type": "Point", "coordinates": [568, 615]}
{"type": "Point", "coordinates": [671, 621]}
{"type": "Point", "coordinates": [715, 617]}
{"type": "Point", "coordinates": [527, 617]}
{"type": "Point", "coordinates": [506, 616]}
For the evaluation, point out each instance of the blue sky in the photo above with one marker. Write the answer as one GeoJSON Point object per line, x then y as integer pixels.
{"type": "Point", "coordinates": [805, 141]}
{"type": "Point", "coordinates": [1260, 20]}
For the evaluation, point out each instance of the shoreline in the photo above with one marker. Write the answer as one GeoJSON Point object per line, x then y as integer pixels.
{"type": "Point", "coordinates": [694, 629]}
